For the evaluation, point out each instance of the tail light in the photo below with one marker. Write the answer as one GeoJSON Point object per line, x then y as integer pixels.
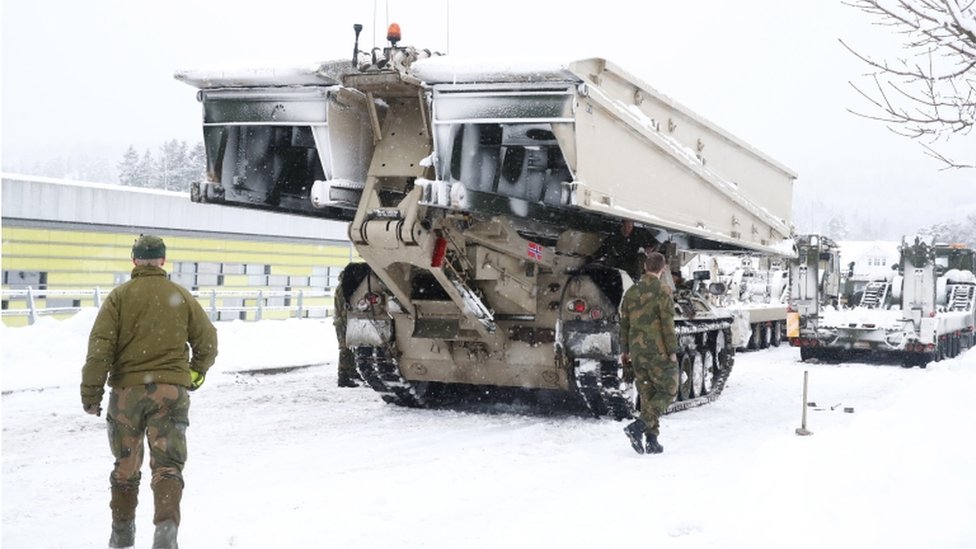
{"type": "Point", "coordinates": [577, 306]}
{"type": "Point", "coordinates": [440, 249]}
{"type": "Point", "coordinates": [596, 313]}
{"type": "Point", "coordinates": [370, 299]}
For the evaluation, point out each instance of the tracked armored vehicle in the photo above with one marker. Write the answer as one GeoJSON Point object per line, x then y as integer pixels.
{"type": "Point", "coordinates": [475, 196]}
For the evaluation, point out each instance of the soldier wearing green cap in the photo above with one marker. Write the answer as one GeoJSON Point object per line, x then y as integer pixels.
{"type": "Point", "coordinates": [152, 342]}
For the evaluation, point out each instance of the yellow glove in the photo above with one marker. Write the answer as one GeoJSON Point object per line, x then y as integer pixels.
{"type": "Point", "coordinates": [196, 380]}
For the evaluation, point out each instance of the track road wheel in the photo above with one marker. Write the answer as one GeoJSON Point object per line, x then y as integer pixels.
{"type": "Point", "coordinates": [807, 353]}
{"type": "Point", "coordinates": [708, 377]}
{"type": "Point", "coordinates": [685, 364]}
{"type": "Point", "coordinates": [697, 373]}
{"type": "Point", "coordinates": [722, 351]}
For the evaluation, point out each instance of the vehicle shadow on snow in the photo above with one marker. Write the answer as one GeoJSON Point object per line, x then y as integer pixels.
{"type": "Point", "coordinates": [505, 400]}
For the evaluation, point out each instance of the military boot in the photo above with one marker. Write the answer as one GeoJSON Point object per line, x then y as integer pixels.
{"type": "Point", "coordinates": [635, 432]}
{"type": "Point", "coordinates": [165, 536]}
{"type": "Point", "coordinates": [653, 446]}
{"type": "Point", "coordinates": [123, 534]}
{"type": "Point", "coordinates": [167, 492]}
{"type": "Point", "coordinates": [347, 379]}
{"type": "Point", "coordinates": [123, 505]}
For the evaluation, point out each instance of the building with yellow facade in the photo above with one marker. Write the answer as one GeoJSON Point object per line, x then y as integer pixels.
{"type": "Point", "coordinates": [60, 236]}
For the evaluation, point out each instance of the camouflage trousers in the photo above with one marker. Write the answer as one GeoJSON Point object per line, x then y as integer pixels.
{"type": "Point", "coordinates": [347, 362]}
{"type": "Point", "coordinates": [656, 380]}
{"type": "Point", "coordinates": [157, 412]}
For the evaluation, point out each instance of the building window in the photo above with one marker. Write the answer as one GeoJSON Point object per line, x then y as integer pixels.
{"type": "Point", "coordinates": [20, 280]}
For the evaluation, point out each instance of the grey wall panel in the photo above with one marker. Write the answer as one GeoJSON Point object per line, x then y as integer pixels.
{"type": "Point", "coordinates": [46, 199]}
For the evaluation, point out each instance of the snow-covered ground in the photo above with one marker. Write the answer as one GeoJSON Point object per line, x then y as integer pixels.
{"type": "Point", "coordinates": [290, 460]}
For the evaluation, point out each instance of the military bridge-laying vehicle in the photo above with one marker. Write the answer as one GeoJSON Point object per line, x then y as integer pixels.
{"type": "Point", "coordinates": [475, 196]}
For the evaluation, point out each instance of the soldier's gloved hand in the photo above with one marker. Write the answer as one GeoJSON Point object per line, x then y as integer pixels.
{"type": "Point", "coordinates": [674, 358]}
{"type": "Point", "coordinates": [196, 380]}
{"type": "Point", "coordinates": [625, 358]}
{"type": "Point", "coordinates": [94, 409]}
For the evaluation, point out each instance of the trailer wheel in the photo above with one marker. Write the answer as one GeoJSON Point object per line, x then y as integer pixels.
{"type": "Point", "coordinates": [807, 353]}
{"type": "Point", "coordinates": [753, 342]}
{"type": "Point", "coordinates": [777, 337]}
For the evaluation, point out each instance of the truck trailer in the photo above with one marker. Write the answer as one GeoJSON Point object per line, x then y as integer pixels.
{"type": "Point", "coordinates": [924, 311]}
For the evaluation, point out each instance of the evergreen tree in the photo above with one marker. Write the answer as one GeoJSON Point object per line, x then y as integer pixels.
{"type": "Point", "coordinates": [129, 167]}
{"type": "Point", "coordinates": [196, 165]}
{"type": "Point", "coordinates": [837, 228]}
{"type": "Point", "coordinates": [147, 175]}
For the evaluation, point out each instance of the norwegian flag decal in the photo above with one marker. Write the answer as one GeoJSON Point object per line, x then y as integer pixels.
{"type": "Point", "coordinates": [535, 251]}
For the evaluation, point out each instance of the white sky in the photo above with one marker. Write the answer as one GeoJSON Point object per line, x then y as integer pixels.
{"type": "Point", "coordinates": [99, 73]}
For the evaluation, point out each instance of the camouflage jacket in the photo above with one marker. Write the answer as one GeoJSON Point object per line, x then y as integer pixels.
{"type": "Point", "coordinates": [647, 319]}
{"type": "Point", "coordinates": [141, 334]}
{"type": "Point", "coordinates": [339, 305]}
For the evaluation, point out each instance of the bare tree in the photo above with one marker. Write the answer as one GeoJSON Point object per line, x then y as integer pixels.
{"type": "Point", "coordinates": [928, 94]}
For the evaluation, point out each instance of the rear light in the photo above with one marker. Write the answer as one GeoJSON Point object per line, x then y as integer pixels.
{"type": "Point", "coordinates": [577, 306]}
{"type": "Point", "coordinates": [930, 347]}
{"type": "Point", "coordinates": [373, 298]}
{"type": "Point", "coordinates": [440, 249]}
{"type": "Point", "coordinates": [932, 314]}
{"type": "Point", "coordinates": [596, 313]}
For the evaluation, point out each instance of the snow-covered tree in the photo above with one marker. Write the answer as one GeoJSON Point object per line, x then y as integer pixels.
{"type": "Point", "coordinates": [173, 168]}
{"type": "Point", "coordinates": [953, 231]}
{"type": "Point", "coordinates": [196, 161]}
{"type": "Point", "coordinates": [929, 92]}
{"type": "Point", "coordinates": [837, 228]}
{"type": "Point", "coordinates": [172, 164]}
{"type": "Point", "coordinates": [147, 174]}
{"type": "Point", "coordinates": [129, 167]}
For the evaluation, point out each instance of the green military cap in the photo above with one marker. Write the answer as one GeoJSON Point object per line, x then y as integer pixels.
{"type": "Point", "coordinates": [148, 247]}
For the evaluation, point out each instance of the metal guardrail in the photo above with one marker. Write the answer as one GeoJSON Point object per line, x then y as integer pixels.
{"type": "Point", "coordinates": [208, 298]}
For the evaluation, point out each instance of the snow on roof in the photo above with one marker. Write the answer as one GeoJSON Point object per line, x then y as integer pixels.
{"type": "Point", "coordinates": [856, 250]}
{"type": "Point", "coordinates": [328, 73]}
{"type": "Point", "coordinates": [457, 70]}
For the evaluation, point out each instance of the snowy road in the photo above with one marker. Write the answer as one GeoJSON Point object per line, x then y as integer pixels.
{"type": "Point", "coordinates": [290, 460]}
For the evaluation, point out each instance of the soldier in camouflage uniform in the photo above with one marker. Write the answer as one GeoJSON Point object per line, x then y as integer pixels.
{"type": "Point", "coordinates": [347, 363]}
{"type": "Point", "coordinates": [627, 249]}
{"type": "Point", "coordinates": [139, 343]}
{"type": "Point", "coordinates": [649, 349]}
